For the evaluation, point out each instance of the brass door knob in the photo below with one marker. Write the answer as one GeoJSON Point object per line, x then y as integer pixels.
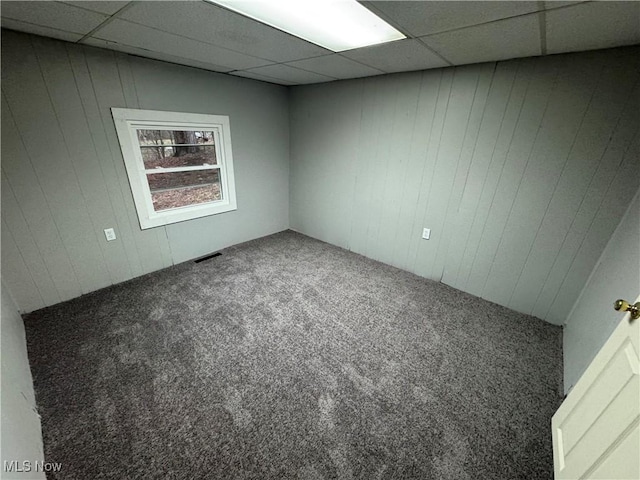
{"type": "Point", "coordinates": [624, 306]}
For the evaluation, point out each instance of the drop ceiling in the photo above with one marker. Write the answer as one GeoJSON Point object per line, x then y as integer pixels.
{"type": "Point", "coordinates": [439, 34]}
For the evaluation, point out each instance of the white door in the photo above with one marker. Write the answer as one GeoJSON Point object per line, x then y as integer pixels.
{"type": "Point", "coordinates": [595, 430]}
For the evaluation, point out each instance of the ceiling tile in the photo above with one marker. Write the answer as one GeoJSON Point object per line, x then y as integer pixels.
{"type": "Point", "coordinates": [202, 35]}
{"type": "Point", "coordinates": [141, 52]}
{"type": "Point", "coordinates": [134, 35]}
{"type": "Point", "coordinates": [53, 15]}
{"type": "Point", "coordinates": [501, 40]}
{"type": "Point", "coordinates": [290, 74]}
{"type": "Point", "coordinates": [593, 25]}
{"type": "Point", "coordinates": [335, 66]}
{"type": "Point", "coordinates": [422, 18]}
{"type": "Point", "coordinates": [263, 78]}
{"type": "Point", "coordinates": [399, 56]}
{"type": "Point", "coordinates": [212, 24]}
{"type": "Point", "coordinates": [39, 30]}
{"type": "Point", "coordinates": [100, 6]}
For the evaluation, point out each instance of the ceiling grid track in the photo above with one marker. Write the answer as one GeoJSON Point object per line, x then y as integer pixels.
{"type": "Point", "coordinates": [106, 22]}
{"type": "Point", "coordinates": [206, 35]}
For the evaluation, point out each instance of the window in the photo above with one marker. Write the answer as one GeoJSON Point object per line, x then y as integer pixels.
{"type": "Point", "coordinates": [179, 165]}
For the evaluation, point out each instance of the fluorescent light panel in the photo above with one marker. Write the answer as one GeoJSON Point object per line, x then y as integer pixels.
{"type": "Point", "coordinates": [338, 25]}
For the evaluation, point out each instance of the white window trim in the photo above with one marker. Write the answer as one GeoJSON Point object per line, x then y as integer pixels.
{"type": "Point", "coordinates": [128, 120]}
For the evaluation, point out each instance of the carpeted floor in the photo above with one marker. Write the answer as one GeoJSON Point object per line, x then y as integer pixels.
{"type": "Point", "coordinates": [290, 358]}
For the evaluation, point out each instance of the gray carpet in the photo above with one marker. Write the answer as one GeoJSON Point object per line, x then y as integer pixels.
{"type": "Point", "coordinates": [290, 358]}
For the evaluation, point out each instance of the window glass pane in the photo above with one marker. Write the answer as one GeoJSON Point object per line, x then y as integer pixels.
{"type": "Point", "coordinates": [163, 181]}
{"type": "Point", "coordinates": [174, 137]}
{"type": "Point", "coordinates": [174, 156]}
{"type": "Point", "coordinates": [180, 189]}
{"type": "Point", "coordinates": [184, 197]}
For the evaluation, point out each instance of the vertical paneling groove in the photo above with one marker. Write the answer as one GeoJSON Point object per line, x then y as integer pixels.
{"type": "Point", "coordinates": [516, 167]}
{"type": "Point", "coordinates": [51, 60]}
{"type": "Point", "coordinates": [405, 111]}
{"type": "Point", "coordinates": [103, 175]}
{"type": "Point", "coordinates": [556, 182]}
{"type": "Point", "coordinates": [20, 172]}
{"type": "Point", "coordinates": [356, 175]}
{"type": "Point", "coordinates": [94, 177]}
{"type": "Point", "coordinates": [19, 224]}
{"type": "Point", "coordinates": [364, 185]}
{"type": "Point", "coordinates": [483, 206]}
{"type": "Point", "coordinates": [507, 189]}
{"type": "Point", "coordinates": [481, 168]}
{"type": "Point", "coordinates": [14, 266]}
{"type": "Point", "coordinates": [617, 197]}
{"type": "Point", "coordinates": [454, 131]}
{"type": "Point", "coordinates": [14, 224]}
{"type": "Point", "coordinates": [31, 114]}
{"type": "Point", "coordinates": [397, 223]}
{"type": "Point", "coordinates": [600, 121]}
{"type": "Point", "coordinates": [42, 133]}
{"type": "Point", "coordinates": [455, 227]}
{"type": "Point", "coordinates": [387, 97]}
{"type": "Point", "coordinates": [103, 74]}
{"type": "Point", "coordinates": [618, 146]}
{"type": "Point", "coordinates": [428, 170]}
{"type": "Point", "coordinates": [64, 181]}
{"type": "Point", "coordinates": [430, 83]}
{"type": "Point", "coordinates": [419, 262]}
{"type": "Point", "coordinates": [477, 98]}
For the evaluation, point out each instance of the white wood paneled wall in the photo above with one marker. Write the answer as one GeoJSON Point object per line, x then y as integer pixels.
{"type": "Point", "coordinates": [64, 180]}
{"type": "Point", "coordinates": [616, 275]}
{"type": "Point", "coordinates": [21, 433]}
{"type": "Point", "coordinates": [522, 169]}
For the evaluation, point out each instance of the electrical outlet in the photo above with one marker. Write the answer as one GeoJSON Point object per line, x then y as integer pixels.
{"type": "Point", "coordinates": [110, 233]}
{"type": "Point", "coordinates": [426, 233]}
